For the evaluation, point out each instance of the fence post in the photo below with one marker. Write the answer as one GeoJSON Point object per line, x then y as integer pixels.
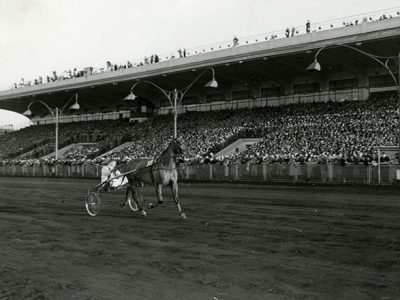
{"type": "Point", "coordinates": [397, 175]}
{"type": "Point", "coordinates": [369, 174]}
{"type": "Point", "coordinates": [210, 173]}
{"type": "Point", "coordinates": [296, 172]}
{"type": "Point", "coordinates": [236, 172]}
{"type": "Point", "coordinates": [379, 165]}
{"type": "Point", "coordinates": [187, 171]}
{"type": "Point", "coordinates": [309, 170]}
{"type": "Point", "coordinates": [264, 170]}
{"type": "Point", "coordinates": [330, 172]}
{"type": "Point", "coordinates": [391, 174]}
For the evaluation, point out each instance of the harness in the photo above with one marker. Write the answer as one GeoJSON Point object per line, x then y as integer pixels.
{"type": "Point", "coordinates": [152, 174]}
{"type": "Point", "coordinates": [151, 168]}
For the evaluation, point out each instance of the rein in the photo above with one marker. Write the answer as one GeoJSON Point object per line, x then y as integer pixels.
{"type": "Point", "coordinates": [154, 167]}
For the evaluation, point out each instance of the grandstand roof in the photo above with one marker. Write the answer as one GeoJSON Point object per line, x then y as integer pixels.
{"type": "Point", "coordinates": [277, 60]}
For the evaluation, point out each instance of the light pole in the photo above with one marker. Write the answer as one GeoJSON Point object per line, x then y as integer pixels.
{"type": "Point", "coordinates": [383, 61]}
{"type": "Point", "coordinates": [55, 112]}
{"type": "Point", "coordinates": [175, 96]}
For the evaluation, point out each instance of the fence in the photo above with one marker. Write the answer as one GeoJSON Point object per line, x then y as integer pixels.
{"type": "Point", "coordinates": [75, 171]}
{"type": "Point", "coordinates": [292, 173]}
{"type": "Point", "coordinates": [384, 174]}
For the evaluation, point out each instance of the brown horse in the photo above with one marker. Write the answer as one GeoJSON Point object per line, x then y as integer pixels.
{"type": "Point", "coordinates": [160, 173]}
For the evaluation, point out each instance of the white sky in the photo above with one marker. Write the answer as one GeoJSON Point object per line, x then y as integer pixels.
{"type": "Point", "coordinates": [41, 36]}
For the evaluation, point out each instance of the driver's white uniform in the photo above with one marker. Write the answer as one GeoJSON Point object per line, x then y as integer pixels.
{"type": "Point", "coordinates": [109, 172]}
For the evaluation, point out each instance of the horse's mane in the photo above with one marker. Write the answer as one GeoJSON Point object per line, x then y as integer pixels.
{"type": "Point", "coordinates": [165, 154]}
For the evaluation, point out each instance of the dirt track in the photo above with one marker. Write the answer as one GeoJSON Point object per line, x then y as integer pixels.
{"type": "Point", "coordinates": [239, 242]}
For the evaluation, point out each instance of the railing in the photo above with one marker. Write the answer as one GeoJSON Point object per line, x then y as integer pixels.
{"type": "Point", "coordinates": [289, 173]}
{"type": "Point", "coordinates": [73, 171]}
{"type": "Point", "coordinates": [321, 96]}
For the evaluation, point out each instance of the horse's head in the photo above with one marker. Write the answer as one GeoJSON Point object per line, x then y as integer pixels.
{"type": "Point", "coordinates": [177, 146]}
{"type": "Point", "coordinates": [174, 151]}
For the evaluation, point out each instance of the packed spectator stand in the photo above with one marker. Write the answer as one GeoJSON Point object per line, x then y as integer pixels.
{"type": "Point", "coordinates": [342, 132]}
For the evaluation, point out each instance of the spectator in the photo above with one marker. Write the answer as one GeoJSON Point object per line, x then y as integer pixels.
{"type": "Point", "coordinates": [109, 66]}
{"type": "Point", "coordinates": [293, 31]}
{"type": "Point", "coordinates": [235, 41]}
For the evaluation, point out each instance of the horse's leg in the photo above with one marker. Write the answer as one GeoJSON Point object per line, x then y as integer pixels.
{"type": "Point", "coordinates": [139, 193]}
{"type": "Point", "coordinates": [128, 195]}
{"type": "Point", "coordinates": [158, 188]}
{"type": "Point", "coordinates": [131, 193]}
{"type": "Point", "coordinates": [174, 188]}
{"type": "Point", "coordinates": [139, 197]}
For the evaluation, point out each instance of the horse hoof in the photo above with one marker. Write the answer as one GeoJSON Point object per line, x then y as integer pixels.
{"type": "Point", "coordinates": [182, 216]}
{"type": "Point", "coordinates": [151, 205]}
{"type": "Point", "coordinates": [144, 213]}
{"type": "Point", "coordinates": [122, 204]}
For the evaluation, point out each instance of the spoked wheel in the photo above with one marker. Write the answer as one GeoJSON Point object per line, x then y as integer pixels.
{"type": "Point", "coordinates": [132, 204]}
{"type": "Point", "coordinates": [93, 204]}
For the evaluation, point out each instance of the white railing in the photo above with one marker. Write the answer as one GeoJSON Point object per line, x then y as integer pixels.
{"type": "Point", "coordinates": [276, 172]}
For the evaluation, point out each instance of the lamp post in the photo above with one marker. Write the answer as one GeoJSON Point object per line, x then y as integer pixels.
{"type": "Point", "coordinates": [55, 112]}
{"type": "Point", "coordinates": [382, 60]}
{"type": "Point", "coordinates": [175, 96]}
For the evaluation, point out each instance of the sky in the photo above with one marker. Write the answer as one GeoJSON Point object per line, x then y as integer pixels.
{"type": "Point", "coordinates": [41, 36]}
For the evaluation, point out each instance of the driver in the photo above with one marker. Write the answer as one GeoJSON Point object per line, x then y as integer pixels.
{"type": "Point", "coordinates": [110, 172]}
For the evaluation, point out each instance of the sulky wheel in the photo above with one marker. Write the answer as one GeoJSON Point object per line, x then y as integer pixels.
{"type": "Point", "coordinates": [93, 204]}
{"type": "Point", "coordinates": [132, 204]}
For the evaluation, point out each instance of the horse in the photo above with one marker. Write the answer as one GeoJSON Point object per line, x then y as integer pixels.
{"type": "Point", "coordinates": [134, 187]}
{"type": "Point", "coordinates": [163, 171]}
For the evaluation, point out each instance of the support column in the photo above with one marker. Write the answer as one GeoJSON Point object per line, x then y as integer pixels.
{"type": "Point", "coordinates": [363, 84]}
{"type": "Point", "coordinates": [265, 177]}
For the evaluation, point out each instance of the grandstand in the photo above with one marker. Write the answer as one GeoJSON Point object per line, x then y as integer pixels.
{"type": "Point", "coordinates": [344, 114]}
{"type": "Point", "coordinates": [283, 180]}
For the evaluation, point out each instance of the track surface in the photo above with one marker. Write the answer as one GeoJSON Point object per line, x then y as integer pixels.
{"type": "Point", "coordinates": [239, 242]}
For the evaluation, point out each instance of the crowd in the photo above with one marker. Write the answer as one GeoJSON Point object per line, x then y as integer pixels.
{"type": "Point", "coordinates": [337, 132]}
{"type": "Point", "coordinates": [81, 154]}
{"type": "Point", "coordinates": [22, 141]}
{"type": "Point", "coordinates": [68, 74]}
{"type": "Point", "coordinates": [325, 132]}
{"type": "Point", "coordinates": [37, 141]}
